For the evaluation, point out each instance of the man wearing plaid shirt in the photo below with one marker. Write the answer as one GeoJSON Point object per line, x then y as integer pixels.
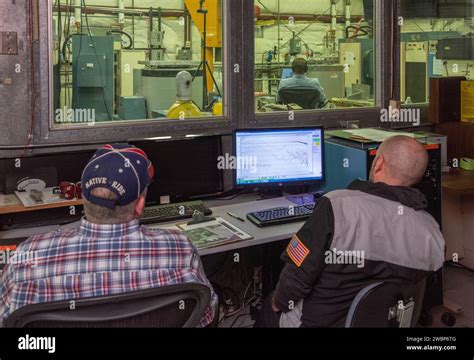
{"type": "Point", "coordinates": [109, 253]}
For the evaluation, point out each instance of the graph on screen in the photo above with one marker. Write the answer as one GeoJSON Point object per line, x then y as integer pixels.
{"type": "Point", "coordinates": [280, 156]}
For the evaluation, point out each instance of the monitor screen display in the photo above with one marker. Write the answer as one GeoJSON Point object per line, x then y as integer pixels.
{"type": "Point", "coordinates": [286, 73]}
{"type": "Point", "coordinates": [279, 157]}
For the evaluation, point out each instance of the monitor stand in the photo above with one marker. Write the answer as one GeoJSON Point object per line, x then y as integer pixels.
{"type": "Point", "coordinates": [270, 194]}
{"type": "Point", "coordinates": [273, 193]}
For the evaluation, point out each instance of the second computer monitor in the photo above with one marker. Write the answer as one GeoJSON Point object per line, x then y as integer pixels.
{"type": "Point", "coordinates": [286, 73]}
{"type": "Point", "coordinates": [279, 157]}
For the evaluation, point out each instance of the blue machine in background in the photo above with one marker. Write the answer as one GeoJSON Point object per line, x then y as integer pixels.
{"type": "Point", "coordinates": [346, 161]}
{"type": "Point", "coordinates": [132, 108]}
{"type": "Point", "coordinates": [93, 75]}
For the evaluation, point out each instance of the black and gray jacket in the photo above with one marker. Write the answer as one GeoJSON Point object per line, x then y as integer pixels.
{"type": "Point", "coordinates": [368, 233]}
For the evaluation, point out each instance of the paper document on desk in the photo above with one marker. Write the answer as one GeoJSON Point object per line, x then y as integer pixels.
{"type": "Point", "coordinates": [377, 135]}
{"type": "Point", "coordinates": [213, 233]}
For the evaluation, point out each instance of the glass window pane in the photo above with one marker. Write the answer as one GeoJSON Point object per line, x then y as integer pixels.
{"type": "Point", "coordinates": [436, 41]}
{"type": "Point", "coordinates": [116, 61]}
{"type": "Point", "coordinates": [313, 54]}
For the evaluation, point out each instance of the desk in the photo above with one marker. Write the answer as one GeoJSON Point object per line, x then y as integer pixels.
{"type": "Point", "coordinates": [239, 206]}
{"type": "Point", "coordinates": [19, 208]}
{"type": "Point", "coordinates": [260, 235]}
{"type": "Point", "coordinates": [458, 215]}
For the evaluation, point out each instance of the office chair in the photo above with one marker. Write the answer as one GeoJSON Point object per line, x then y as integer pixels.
{"type": "Point", "coordinates": [306, 97]}
{"type": "Point", "coordinates": [164, 307]}
{"type": "Point", "coordinates": [380, 305]}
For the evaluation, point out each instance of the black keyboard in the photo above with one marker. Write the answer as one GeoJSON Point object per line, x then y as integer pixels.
{"type": "Point", "coordinates": [281, 215]}
{"type": "Point", "coordinates": [173, 212]}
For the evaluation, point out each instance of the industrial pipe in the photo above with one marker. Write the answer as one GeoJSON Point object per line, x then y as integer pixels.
{"type": "Point", "coordinates": [348, 13]}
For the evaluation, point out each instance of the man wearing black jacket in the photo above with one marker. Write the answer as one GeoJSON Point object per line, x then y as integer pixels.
{"type": "Point", "coordinates": [374, 231]}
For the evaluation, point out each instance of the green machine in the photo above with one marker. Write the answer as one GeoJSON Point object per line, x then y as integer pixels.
{"type": "Point", "coordinates": [93, 75]}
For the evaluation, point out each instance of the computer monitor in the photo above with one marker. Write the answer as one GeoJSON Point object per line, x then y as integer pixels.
{"type": "Point", "coordinates": [186, 169]}
{"type": "Point", "coordinates": [286, 73]}
{"type": "Point", "coordinates": [279, 157]}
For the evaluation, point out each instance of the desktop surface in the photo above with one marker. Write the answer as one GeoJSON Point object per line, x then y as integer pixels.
{"type": "Point", "coordinates": [239, 206]}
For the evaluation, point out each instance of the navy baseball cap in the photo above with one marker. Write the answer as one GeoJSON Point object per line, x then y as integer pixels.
{"type": "Point", "coordinates": [121, 168]}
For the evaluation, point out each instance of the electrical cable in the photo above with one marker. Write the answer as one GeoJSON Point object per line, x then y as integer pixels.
{"type": "Point", "coordinates": [65, 47]}
{"type": "Point", "coordinates": [59, 30]}
{"type": "Point", "coordinates": [66, 75]}
{"type": "Point", "coordinates": [126, 34]}
{"type": "Point", "coordinates": [244, 303]}
{"type": "Point", "coordinates": [76, 63]}
{"type": "Point", "coordinates": [224, 302]}
{"type": "Point", "coordinates": [68, 63]}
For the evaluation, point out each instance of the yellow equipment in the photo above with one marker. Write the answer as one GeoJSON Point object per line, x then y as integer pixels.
{"type": "Point", "coordinates": [214, 30]}
{"type": "Point", "coordinates": [184, 108]}
{"type": "Point", "coordinates": [217, 110]}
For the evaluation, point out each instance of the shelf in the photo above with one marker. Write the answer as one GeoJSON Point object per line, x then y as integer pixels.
{"type": "Point", "coordinates": [19, 208]}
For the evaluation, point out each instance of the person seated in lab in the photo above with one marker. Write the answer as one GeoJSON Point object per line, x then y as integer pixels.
{"type": "Point", "coordinates": [109, 252]}
{"type": "Point", "coordinates": [301, 80]}
{"type": "Point", "coordinates": [381, 231]}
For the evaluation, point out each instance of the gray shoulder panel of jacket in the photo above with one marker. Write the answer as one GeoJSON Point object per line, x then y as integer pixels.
{"type": "Point", "coordinates": [385, 230]}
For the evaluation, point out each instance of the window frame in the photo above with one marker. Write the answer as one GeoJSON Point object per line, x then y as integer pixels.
{"type": "Point", "coordinates": [423, 107]}
{"type": "Point", "coordinates": [238, 49]}
{"type": "Point", "coordinates": [48, 133]}
{"type": "Point", "coordinates": [330, 118]}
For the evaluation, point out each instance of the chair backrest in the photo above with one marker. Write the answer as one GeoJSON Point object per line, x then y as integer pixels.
{"type": "Point", "coordinates": [379, 305]}
{"type": "Point", "coordinates": [164, 307]}
{"type": "Point", "coordinates": [306, 97]}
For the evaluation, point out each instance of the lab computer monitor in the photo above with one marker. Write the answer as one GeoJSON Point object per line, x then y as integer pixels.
{"type": "Point", "coordinates": [286, 73]}
{"type": "Point", "coordinates": [278, 158]}
{"type": "Point", "coordinates": [185, 169]}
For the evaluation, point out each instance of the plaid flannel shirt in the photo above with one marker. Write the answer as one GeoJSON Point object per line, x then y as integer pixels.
{"type": "Point", "coordinates": [99, 260]}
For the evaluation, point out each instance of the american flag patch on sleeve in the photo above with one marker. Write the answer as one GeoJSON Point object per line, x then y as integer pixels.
{"type": "Point", "coordinates": [297, 251]}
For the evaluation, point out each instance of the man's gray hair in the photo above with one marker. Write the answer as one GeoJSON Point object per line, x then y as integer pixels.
{"type": "Point", "coordinates": [102, 215]}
